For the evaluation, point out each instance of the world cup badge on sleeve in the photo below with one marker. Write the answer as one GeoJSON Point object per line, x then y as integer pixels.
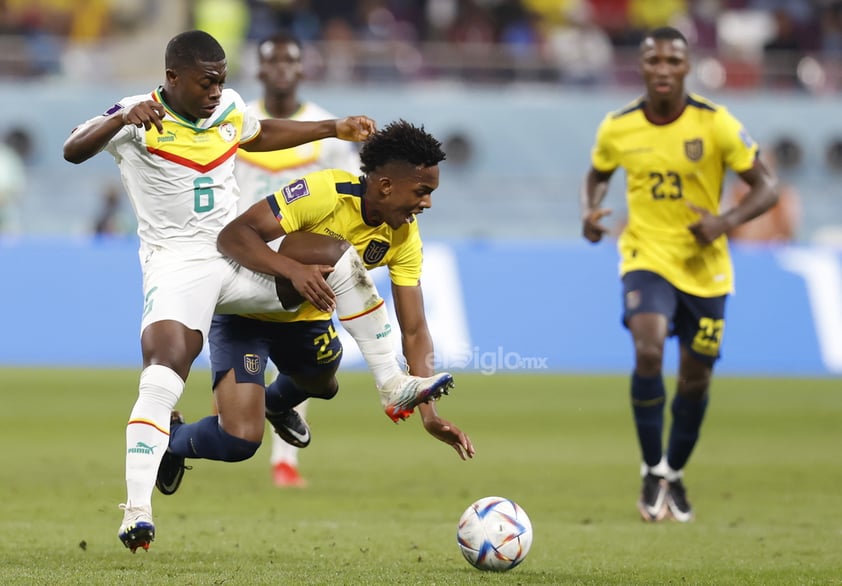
{"type": "Point", "coordinates": [295, 190]}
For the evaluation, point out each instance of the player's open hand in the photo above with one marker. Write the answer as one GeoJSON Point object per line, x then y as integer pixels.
{"type": "Point", "coordinates": [445, 431]}
{"type": "Point", "coordinates": [309, 280]}
{"type": "Point", "coordinates": [356, 128]}
{"type": "Point", "coordinates": [708, 228]}
{"type": "Point", "coordinates": [146, 114]}
{"type": "Point", "coordinates": [592, 227]}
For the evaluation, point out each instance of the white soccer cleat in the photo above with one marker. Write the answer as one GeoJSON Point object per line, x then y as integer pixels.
{"type": "Point", "coordinates": [402, 393]}
{"type": "Point", "coordinates": [137, 529]}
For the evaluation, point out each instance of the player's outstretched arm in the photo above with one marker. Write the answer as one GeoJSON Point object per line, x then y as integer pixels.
{"type": "Point", "coordinates": [418, 350]}
{"type": "Point", "coordinates": [277, 134]}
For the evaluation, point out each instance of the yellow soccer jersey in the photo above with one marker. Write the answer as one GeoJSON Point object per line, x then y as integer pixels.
{"type": "Point", "coordinates": [330, 203]}
{"type": "Point", "coordinates": [668, 166]}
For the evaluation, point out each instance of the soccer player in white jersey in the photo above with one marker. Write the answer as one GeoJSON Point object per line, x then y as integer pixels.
{"type": "Point", "coordinates": [262, 173]}
{"type": "Point", "coordinates": [175, 148]}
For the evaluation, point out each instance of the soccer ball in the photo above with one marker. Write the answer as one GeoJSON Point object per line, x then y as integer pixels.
{"type": "Point", "coordinates": [494, 534]}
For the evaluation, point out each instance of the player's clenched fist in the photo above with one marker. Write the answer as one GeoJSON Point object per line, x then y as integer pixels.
{"type": "Point", "coordinates": [146, 114]}
{"type": "Point", "coordinates": [592, 228]}
{"type": "Point", "coordinates": [356, 128]}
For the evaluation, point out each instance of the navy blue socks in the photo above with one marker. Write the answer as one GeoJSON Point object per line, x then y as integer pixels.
{"type": "Point", "coordinates": [206, 439]}
{"type": "Point", "coordinates": [648, 397]}
{"type": "Point", "coordinates": [687, 416]}
{"type": "Point", "coordinates": [283, 395]}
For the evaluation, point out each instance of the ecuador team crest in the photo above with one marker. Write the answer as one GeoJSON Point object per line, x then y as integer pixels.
{"type": "Point", "coordinates": [694, 149]}
{"type": "Point", "coordinates": [375, 251]}
{"type": "Point", "coordinates": [251, 362]}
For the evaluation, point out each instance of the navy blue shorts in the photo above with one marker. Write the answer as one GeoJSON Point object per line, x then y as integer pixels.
{"type": "Point", "coordinates": [306, 348]}
{"type": "Point", "coordinates": [698, 322]}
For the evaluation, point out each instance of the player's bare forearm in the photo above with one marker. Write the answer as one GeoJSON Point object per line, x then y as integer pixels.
{"type": "Point", "coordinates": [763, 196]}
{"type": "Point", "coordinates": [593, 192]}
{"type": "Point", "coordinates": [86, 141]}
{"type": "Point", "coordinates": [277, 134]}
{"type": "Point", "coordinates": [240, 242]}
{"type": "Point", "coordinates": [244, 241]}
{"type": "Point", "coordinates": [418, 351]}
{"type": "Point", "coordinates": [416, 341]}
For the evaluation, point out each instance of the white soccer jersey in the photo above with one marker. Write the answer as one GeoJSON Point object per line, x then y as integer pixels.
{"type": "Point", "coordinates": [261, 174]}
{"type": "Point", "coordinates": [181, 182]}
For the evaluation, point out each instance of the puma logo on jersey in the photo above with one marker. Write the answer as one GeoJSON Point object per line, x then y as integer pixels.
{"type": "Point", "coordinates": [168, 137]}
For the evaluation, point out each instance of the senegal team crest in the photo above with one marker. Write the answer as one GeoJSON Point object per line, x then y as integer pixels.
{"type": "Point", "coordinates": [375, 251]}
{"type": "Point", "coordinates": [227, 131]}
{"type": "Point", "coordinates": [694, 149]}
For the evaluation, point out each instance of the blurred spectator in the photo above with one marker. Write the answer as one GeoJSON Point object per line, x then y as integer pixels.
{"type": "Point", "coordinates": [21, 142]}
{"type": "Point", "coordinates": [12, 185]}
{"type": "Point", "coordinates": [110, 219]}
{"type": "Point", "coordinates": [831, 23]}
{"type": "Point", "coordinates": [645, 15]}
{"type": "Point", "coordinates": [297, 16]}
{"type": "Point", "coordinates": [33, 34]}
{"type": "Point", "coordinates": [518, 29]}
{"type": "Point", "coordinates": [783, 51]}
{"type": "Point", "coordinates": [473, 38]}
{"type": "Point", "coordinates": [473, 27]}
{"type": "Point", "coordinates": [583, 51]}
{"type": "Point", "coordinates": [228, 22]}
{"type": "Point", "coordinates": [340, 59]}
{"type": "Point", "coordinates": [780, 224]}
{"type": "Point", "coordinates": [704, 14]}
{"type": "Point", "coordinates": [612, 16]}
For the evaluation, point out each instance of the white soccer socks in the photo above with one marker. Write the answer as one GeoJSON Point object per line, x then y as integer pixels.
{"type": "Point", "coordinates": [148, 430]}
{"type": "Point", "coordinates": [363, 314]}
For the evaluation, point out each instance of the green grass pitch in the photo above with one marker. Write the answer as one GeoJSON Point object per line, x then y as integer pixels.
{"type": "Point", "coordinates": [384, 499]}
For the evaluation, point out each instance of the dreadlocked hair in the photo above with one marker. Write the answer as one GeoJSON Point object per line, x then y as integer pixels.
{"type": "Point", "coordinates": [403, 142]}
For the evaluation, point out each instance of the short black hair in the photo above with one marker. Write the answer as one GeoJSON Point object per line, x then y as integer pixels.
{"type": "Point", "coordinates": [282, 37]}
{"type": "Point", "coordinates": [400, 141]}
{"type": "Point", "coordinates": [191, 47]}
{"type": "Point", "coordinates": [666, 33]}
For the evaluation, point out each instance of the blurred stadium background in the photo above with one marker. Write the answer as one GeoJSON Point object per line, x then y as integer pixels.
{"type": "Point", "coordinates": [514, 88]}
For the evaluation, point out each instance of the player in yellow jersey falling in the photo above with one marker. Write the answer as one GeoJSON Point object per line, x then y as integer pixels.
{"type": "Point", "coordinates": [175, 148]}
{"type": "Point", "coordinates": [376, 214]}
{"type": "Point", "coordinates": [280, 72]}
{"type": "Point", "coordinates": [675, 265]}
